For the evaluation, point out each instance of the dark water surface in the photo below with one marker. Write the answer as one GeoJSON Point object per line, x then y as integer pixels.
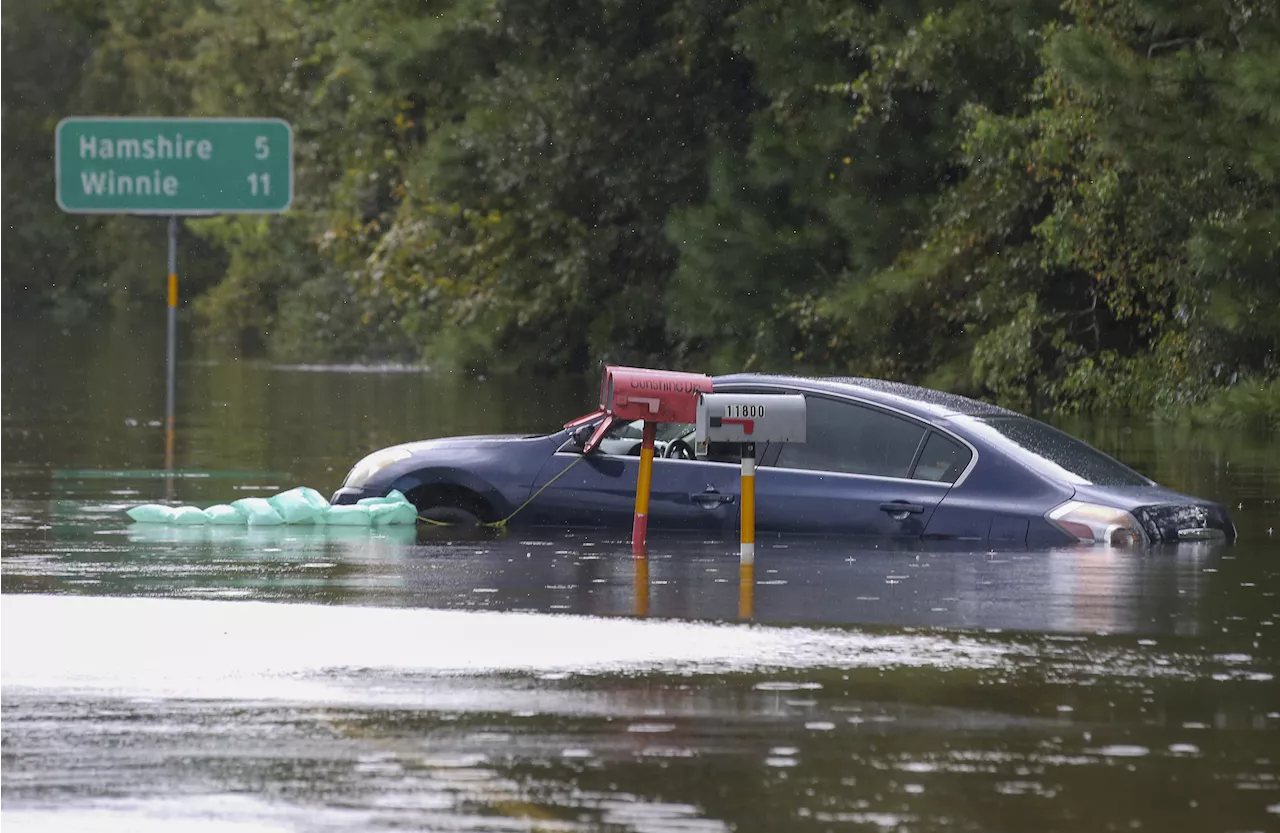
{"type": "Point", "coordinates": [343, 678]}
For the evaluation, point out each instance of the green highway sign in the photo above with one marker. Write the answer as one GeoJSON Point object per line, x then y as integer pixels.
{"type": "Point", "coordinates": [174, 166]}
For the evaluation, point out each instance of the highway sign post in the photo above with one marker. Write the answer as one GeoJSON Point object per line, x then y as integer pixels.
{"type": "Point", "coordinates": [175, 167]}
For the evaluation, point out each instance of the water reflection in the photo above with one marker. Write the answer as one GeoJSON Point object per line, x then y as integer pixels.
{"type": "Point", "coordinates": [282, 541]}
{"type": "Point", "coordinates": [316, 716]}
{"type": "Point", "coordinates": [640, 585]}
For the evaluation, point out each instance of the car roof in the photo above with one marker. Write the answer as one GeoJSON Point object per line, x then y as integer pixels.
{"type": "Point", "coordinates": [918, 401]}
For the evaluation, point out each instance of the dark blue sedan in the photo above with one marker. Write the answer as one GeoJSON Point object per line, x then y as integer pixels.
{"type": "Point", "coordinates": [882, 459]}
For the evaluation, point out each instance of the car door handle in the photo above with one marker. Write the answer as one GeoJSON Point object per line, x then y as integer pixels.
{"type": "Point", "coordinates": [901, 508]}
{"type": "Point", "coordinates": [710, 499]}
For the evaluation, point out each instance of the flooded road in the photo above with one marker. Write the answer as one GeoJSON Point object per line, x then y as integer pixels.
{"type": "Point", "coordinates": [344, 678]}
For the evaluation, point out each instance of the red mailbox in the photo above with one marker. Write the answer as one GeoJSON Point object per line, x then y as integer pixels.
{"type": "Point", "coordinates": [630, 393]}
{"type": "Point", "coordinates": [654, 395]}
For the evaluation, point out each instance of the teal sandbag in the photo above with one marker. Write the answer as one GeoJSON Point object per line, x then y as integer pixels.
{"type": "Point", "coordinates": [348, 516]}
{"type": "Point", "coordinates": [300, 506]}
{"type": "Point", "coordinates": [406, 514]}
{"type": "Point", "coordinates": [295, 506]}
{"type": "Point", "coordinates": [258, 511]}
{"type": "Point", "coordinates": [392, 510]}
{"type": "Point", "coordinates": [224, 515]}
{"type": "Point", "coordinates": [393, 514]}
{"type": "Point", "coordinates": [313, 497]}
{"type": "Point", "coordinates": [189, 516]}
{"type": "Point", "coordinates": [393, 496]}
{"type": "Point", "coordinates": [151, 513]}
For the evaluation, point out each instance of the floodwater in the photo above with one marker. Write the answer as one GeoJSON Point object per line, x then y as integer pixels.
{"type": "Point", "coordinates": [292, 679]}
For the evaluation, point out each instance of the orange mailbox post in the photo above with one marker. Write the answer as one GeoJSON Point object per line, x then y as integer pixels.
{"type": "Point", "coordinates": [631, 393]}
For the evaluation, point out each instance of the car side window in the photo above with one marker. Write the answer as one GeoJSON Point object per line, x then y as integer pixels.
{"type": "Point", "coordinates": [853, 439]}
{"type": "Point", "coordinates": [674, 440]}
{"type": "Point", "coordinates": [943, 459]}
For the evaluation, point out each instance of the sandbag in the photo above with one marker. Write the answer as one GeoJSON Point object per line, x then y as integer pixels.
{"type": "Point", "coordinates": [258, 511]}
{"type": "Point", "coordinates": [151, 513]}
{"type": "Point", "coordinates": [189, 516]}
{"type": "Point", "coordinates": [295, 506]}
{"type": "Point", "coordinates": [393, 496]}
{"type": "Point", "coordinates": [316, 499]}
{"type": "Point", "coordinates": [393, 514]}
{"type": "Point", "coordinates": [224, 515]}
{"type": "Point", "coordinates": [300, 506]}
{"type": "Point", "coordinates": [348, 516]}
{"type": "Point", "coordinates": [391, 510]}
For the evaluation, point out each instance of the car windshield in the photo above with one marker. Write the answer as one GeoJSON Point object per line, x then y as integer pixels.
{"type": "Point", "coordinates": [1086, 463]}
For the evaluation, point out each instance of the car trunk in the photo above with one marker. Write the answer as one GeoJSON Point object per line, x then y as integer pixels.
{"type": "Point", "coordinates": [1164, 514]}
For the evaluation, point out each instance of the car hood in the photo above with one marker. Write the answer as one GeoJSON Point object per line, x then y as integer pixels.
{"type": "Point", "coordinates": [1166, 515]}
{"type": "Point", "coordinates": [472, 440]}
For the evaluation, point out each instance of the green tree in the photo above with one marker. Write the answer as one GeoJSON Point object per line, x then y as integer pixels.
{"type": "Point", "coordinates": [42, 58]}
{"type": "Point", "coordinates": [1107, 248]}
{"type": "Point", "coordinates": [858, 138]}
{"type": "Point", "coordinates": [529, 229]}
{"type": "Point", "coordinates": [1058, 204]}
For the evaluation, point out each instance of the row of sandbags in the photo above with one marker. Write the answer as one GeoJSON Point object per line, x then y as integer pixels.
{"type": "Point", "coordinates": [296, 506]}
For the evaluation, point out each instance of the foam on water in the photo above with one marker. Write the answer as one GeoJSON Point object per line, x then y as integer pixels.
{"type": "Point", "coordinates": [197, 814]}
{"type": "Point", "coordinates": [262, 650]}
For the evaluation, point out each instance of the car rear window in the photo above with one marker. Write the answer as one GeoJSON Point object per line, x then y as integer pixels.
{"type": "Point", "coordinates": [1065, 451]}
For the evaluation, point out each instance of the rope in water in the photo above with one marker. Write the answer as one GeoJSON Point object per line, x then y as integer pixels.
{"type": "Point", "coordinates": [503, 522]}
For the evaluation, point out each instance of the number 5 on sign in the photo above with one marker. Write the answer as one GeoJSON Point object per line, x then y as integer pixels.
{"type": "Point", "coordinates": [261, 149]}
{"type": "Point", "coordinates": [260, 184]}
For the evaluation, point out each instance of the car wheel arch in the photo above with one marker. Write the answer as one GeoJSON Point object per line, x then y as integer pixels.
{"type": "Point", "coordinates": [427, 489]}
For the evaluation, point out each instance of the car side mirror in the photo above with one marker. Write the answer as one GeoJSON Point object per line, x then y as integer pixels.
{"type": "Point", "coordinates": [581, 434]}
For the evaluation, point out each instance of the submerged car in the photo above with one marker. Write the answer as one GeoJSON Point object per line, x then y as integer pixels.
{"type": "Point", "coordinates": [881, 459]}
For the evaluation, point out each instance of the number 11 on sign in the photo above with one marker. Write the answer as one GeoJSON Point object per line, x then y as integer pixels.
{"type": "Point", "coordinates": [260, 184]}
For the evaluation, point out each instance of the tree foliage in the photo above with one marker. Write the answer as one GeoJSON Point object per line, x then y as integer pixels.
{"type": "Point", "coordinates": [1058, 204]}
{"type": "Point", "coordinates": [1107, 242]}
{"type": "Point", "coordinates": [41, 66]}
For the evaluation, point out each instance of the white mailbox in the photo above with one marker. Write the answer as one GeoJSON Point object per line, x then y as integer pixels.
{"type": "Point", "coordinates": [750, 418]}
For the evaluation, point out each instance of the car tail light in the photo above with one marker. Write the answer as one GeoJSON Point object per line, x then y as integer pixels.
{"type": "Point", "coordinates": [1097, 524]}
